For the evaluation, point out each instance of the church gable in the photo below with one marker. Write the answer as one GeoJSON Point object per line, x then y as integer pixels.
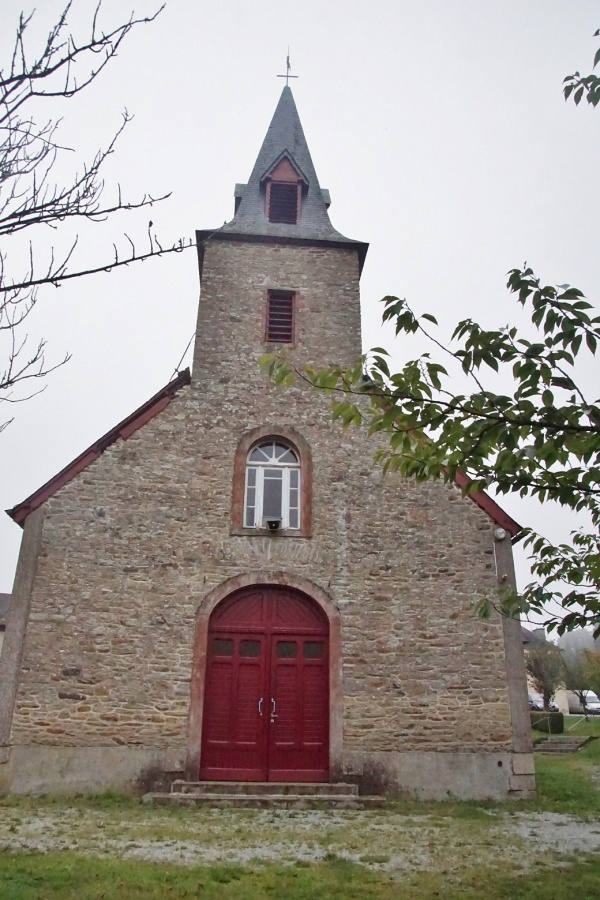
{"type": "Point", "coordinates": [123, 431]}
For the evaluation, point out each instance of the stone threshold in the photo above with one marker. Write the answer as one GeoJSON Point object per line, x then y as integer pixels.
{"type": "Point", "coordinates": [262, 794]}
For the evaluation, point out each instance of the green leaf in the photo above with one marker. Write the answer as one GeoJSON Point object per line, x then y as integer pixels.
{"type": "Point", "coordinates": [484, 609]}
{"type": "Point", "coordinates": [548, 398]}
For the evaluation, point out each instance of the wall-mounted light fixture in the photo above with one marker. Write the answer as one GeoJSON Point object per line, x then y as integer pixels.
{"type": "Point", "coordinates": [273, 524]}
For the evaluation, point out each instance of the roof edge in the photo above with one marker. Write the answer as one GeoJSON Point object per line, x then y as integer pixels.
{"type": "Point", "coordinates": [489, 506]}
{"type": "Point", "coordinates": [285, 154]}
{"type": "Point", "coordinates": [202, 236]}
{"type": "Point", "coordinates": [123, 430]}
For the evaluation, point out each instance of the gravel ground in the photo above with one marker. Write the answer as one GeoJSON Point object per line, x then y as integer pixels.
{"type": "Point", "coordinates": [383, 839]}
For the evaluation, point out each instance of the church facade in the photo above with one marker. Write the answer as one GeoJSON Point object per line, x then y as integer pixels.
{"type": "Point", "coordinates": [224, 587]}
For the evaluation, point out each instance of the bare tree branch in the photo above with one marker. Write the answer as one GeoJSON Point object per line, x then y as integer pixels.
{"type": "Point", "coordinates": [31, 196]}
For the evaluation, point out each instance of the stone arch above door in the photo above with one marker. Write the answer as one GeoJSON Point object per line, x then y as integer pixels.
{"type": "Point", "coordinates": [209, 603]}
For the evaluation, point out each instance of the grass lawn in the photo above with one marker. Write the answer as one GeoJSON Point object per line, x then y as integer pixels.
{"type": "Point", "coordinates": [578, 725]}
{"type": "Point", "coordinates": [102, 847]}
{"type": "Point", "coordinates": [68, 876]}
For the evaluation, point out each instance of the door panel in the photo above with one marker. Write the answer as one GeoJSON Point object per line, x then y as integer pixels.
{"type": "Point", "coordinates": [234, 734]}
{"type": "Point", "coordinates": [299, 731]}
{"type": "Point", "coordinates": [272, 644]}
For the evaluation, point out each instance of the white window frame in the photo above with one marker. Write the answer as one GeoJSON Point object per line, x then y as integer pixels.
{"type": "Point", "coordinates": [260, 468]}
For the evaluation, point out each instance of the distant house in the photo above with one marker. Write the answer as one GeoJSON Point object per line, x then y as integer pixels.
{"type": "Point", "coordinates": [529, 636]}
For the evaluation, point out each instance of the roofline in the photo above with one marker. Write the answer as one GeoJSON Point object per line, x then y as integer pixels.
{"type": "Point", "coordinates": [203, 236]}
{"type": "Point", "coordinates": [123, 430]}
{"type": "Point", "coordinates": [285, 154]}
{"type": "Point", "coordinates": [489, 506]}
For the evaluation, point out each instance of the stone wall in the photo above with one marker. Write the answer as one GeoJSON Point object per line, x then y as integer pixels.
{"type": "Point", "coordinates": [134, 544]}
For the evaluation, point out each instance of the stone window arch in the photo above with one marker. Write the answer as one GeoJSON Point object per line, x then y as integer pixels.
{"type": "Point", "coordinates": [272, 484]}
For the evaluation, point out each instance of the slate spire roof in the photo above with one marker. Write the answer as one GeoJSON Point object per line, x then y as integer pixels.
{"type": "Point", "coordinates": [284, 138]}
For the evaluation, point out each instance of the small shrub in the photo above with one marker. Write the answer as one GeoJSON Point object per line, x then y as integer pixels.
{"type": "Point", "coordinates": [548, 722]}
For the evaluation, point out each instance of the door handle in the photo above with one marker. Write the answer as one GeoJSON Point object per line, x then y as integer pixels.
{"type": "Point", "coordinates": [260, 703]}
{"type": "Point", "coordinates": [273, 708]}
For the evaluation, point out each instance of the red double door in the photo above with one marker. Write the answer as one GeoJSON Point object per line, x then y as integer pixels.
{"type": "Point", "coordinates": [266, 706]}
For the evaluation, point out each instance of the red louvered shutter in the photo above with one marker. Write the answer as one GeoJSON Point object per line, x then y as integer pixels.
{"type": "Point", "coordinates": [283, 203]}
{"type": "Point", "coordinates": [280, 317]}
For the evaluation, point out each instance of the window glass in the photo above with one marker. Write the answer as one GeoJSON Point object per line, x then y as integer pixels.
{"type": "Point", "coordinates": [272, 493]}
{"type": "Point", "coordinates": [287, 649]}
{"type": "Point", "coordinates": [314, 649]}
{"type": "Point", "coordinates": [249, 648]}
{"type": "Point", "coordinates": [223, 647]}
{"type": "Point", "coordinates": [284, 454]}
{"type": "Point", "coordinates": [260, 454]}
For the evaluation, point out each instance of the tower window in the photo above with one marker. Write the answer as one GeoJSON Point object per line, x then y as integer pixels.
{"type": "Point", "coordinates": [272, 486]}
{"type": "Point", "coordinates": [280, 317]}
{"type": "Point", "coordinates": [283, 202]}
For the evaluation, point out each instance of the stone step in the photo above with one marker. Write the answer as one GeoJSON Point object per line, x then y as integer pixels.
{"type": "Point", "coordinates": [264, 788]}
{"type": "Point", "coordinates": [561, 745]}
{"type": "Point", "coordinates": [262, 801]}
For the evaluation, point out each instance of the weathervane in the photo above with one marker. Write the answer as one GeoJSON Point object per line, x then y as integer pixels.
{"type": "Point", "coordinates": [288, 69]}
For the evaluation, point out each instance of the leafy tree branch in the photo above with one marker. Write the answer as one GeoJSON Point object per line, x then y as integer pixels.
{"type": "Point", "coordinates": [540, 437]}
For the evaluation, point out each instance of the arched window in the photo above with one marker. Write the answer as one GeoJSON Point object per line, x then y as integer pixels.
{"type": "Point", "coordinates": [272, 490]}
{"type": "Point", "coordinates": [285, 452]}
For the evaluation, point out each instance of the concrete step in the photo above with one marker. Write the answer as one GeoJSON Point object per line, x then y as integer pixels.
{"type": "Point", "coordinates": [262, 801]}
{"type": "Point", "coordinates": [264, 788]}
{"type": "Point", "coordinates": [559, 744]}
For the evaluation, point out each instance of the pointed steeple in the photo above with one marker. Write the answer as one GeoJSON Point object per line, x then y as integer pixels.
{"type": "Point", "coordinates": [283, 198]}
{"type": "Point", "coordinates": [283, 158]}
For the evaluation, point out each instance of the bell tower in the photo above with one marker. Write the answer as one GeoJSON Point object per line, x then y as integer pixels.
{"type": "Point", "coordinates": [278, 276]}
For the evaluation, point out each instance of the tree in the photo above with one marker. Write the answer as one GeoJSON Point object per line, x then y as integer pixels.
{"type": "Point", "coordinates": [31, 196]}
{"type": "Point", "coordinates": [578, 675]}
{"type": "Point", "coordinates": [528, 428]}
{"type": "Point", "coordinates": [544, 664]}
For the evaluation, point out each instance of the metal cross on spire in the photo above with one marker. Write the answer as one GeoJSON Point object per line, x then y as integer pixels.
{"type": "Point", "coordinates": [288, 69]}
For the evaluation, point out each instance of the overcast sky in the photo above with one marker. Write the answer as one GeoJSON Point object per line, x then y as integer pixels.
{"type": "Point", "coordinates": [437, 125]}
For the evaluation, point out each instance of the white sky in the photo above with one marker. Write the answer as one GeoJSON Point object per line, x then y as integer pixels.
{"type": "Point", "coordinates": [438, 126]}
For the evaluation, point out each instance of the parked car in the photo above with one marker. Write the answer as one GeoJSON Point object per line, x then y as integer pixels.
{"type": "Point", "coordinates": [592, 703]}
{"type": "Point", "coordinates": [536, 702]}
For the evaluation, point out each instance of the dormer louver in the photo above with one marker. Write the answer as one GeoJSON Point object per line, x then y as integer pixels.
{"type": "Point", "coordinates": [283, 184]}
